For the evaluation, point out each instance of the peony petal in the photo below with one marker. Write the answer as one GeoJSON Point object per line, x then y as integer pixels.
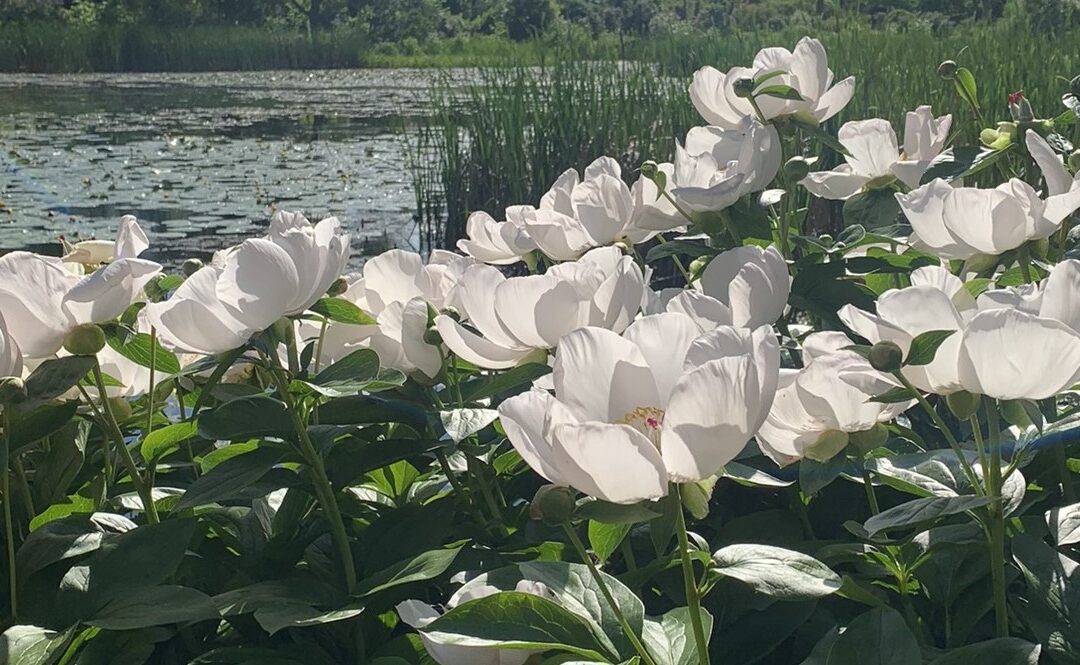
{"type": "Point", "coordinates": [709, 418]}
{"type": "Point", "coordinates": [834, 185]}
{"type": "Point", "coordinates": [257, 283]}
{"type": "Point", "coordinates": [522, 417]}
{"type": "Point", "coordinates": [602, 376]}
{"type": "Point", "coordinates": [1007, 354]}
{"type": "Point", "coordinates": [615, 463]}
{"type": "Point", "coordinates": [475, 349]}
{"type": "Point", "coordinates": [32, 288]}
{"type": "Point", "coordinates": [706, 311]}
{"type": "Point", "coordinates": [663, 340]}
{"type": "Point", "coordinates": [130, 240]}
{"type": "Point", "coordinates": [872, 146]}
{"type": "Point", "coordinates": [1058, 180]}
{"type": "Point", "coordinates": [1061, 294]}
{"type": "Point", "coordinates": [835, 99]}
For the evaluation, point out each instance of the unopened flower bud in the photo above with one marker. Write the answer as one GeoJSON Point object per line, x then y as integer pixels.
{"type": "Point", "coordinates": [432, 337]}
{"type": "Point", "coordinates": [1020, 107]}
{"type": "Point", "coordinates": [452, 312]}
{"type": "Point", "coordinates": [121, 408]}
{"type": "Point", "coordinates": [947, 69]}
{"type": "Point", "coordinates": [827, 446]}
{"type": "Point", "coordinates": [153, 289]}
{"type": "Point", "coordinates": [191, 266]}
{"type": "Point", "coordinates": [282, 329]}
{"type": "Point", "coordinates": [85, 340]}
{"type": "Point", "coordinates": [12, 390]}
{"type": "Point", "coordinates": [744, 88]}
{"type": "Point", "coordinates": [963, 404]}
{"type": "Point", "coordinates": [1074, 161]}
{"type": "Point", "coordinates": [338, 287]}
{"type": "Point", "coordinates": [796, 168]}
{"type": "Point", "coordinates": [553, 505]}
{"type": "Point", "coordinates": [886, 357]}
{"type": "Point", "coordinates": [867, 440]}
{"type": "Point", "coordinates": [649, 169]}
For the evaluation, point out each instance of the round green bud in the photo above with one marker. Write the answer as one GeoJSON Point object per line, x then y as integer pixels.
{"type": "Point", "coordinates": [1074, 160]}
{"type": "Point", "coordinates": [963, 404]}
{"type": "Point", "coordinates": [867, 440]}
{"type": "Point", "coordinates": [153, 289]}
{"type": "Point", "coordinates": [452, 312]}
{"type": "Point", "coordinates": [338, 287]}
{"type": "Point", "coordinates": [796, 168]}
{"type": "Point", "coordinates": [886, 357]}
{"type": "Point", "coordinates": [121, 408]}
{"type": "Point", "coordinates": [432, 337]}
{"type": "Point", "coordinates": [553, 505]}
{"type": "Point", "coordinates": [649, 169]}
{"type": "Point", "coordinates": [744, 88]}
{"type": "Point", "coordinates": [827, 446]}
{"type": "Point", "coordinates": [282, 328]}
{"type": "Point", "coordinates": [12, 390]}
{"type": "Point", "coordinates": [85, 340]}
{"type": "Point", "coordinates": [947, 69]}
{"type": "Point", "coordinates": [191, 266]}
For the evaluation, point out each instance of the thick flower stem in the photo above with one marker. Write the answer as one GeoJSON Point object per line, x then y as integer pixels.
{"type": "Point", "coordinates": [997, 521]}
{"type": "Point", "coordinates": [9, 526]}
{"type": "Point", "coordinates": [635, 641]}
{"type": "Point", "coordinates": [141, 487]}
{"type": "Point", "coordinates": [1023, 257]}
{"type": "Point", "coordinates": [324, 490]}
{"type": "Point", "coordinates": [871, 496]}
{"type": "Point", "coordinates": [693, 598]}
{"type": "Point", "coordinates": [940, 424]}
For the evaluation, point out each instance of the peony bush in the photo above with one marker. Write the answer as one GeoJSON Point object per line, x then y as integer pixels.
{"type": "Point", "coordinates": [666, 422]}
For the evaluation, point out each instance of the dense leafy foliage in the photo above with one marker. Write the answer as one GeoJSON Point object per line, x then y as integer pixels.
{"type": "Point", "coordinates": [663, 424]}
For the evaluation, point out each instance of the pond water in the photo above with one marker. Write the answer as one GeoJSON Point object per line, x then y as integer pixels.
{"type": "Point", "coordinates": [204, 159]}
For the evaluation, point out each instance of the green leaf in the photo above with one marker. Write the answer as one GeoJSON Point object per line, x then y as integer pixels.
{"type": "Point", "coordinates": [776, 572]}
{"type": "Point", "coordinates": [925, 346]}
{"type": "Point", "coordinates": [1052, 611]}
{"type": "Point", "coordinates": [690, 248]}
{"type": "Point", "coordinates": [229, 478]}
{"type": "Point", "coordinates": [426, 566]}
{"type": "Point", "coordinates": [296, 615]}
{"type": "Point", "coordinates": [56, 376]}
{"type": "Point", "coordinates": [154, 606]}
{"type": "Point", "coordinates": [961, 161]}
{"type": "Point", "coordinates": [460, 424]}
{"type": "Point", "coordinates": [74, 504]}
{"type": "Point", "coordinates": [165, 440]}
{"type": "Point", "coordinates": [922, 511]}
{"type": "Point", "coordinates": [502, 382]}
{"type": "Point", "coordinates": [696, 496]}
{"type": "Point", "coordinates": [247, 418]}
{"type": "Point", "coordinates": [1064, 523]}
{"type": "Point", "coordinates": [136, 347]}
{"type": "Point", "coordinates": [578, 592]}
{"type": "Point", "coordinates": [751, 477]}
{"type": "Point", "coordinates": [966, 87]}
{"type": "Point", "coordinates": [515, 620]}
{"type": "Point", "coordinates": [365, 409]}
{"type": "Point", "coordinates": [31, 645]}
{"type": "Point", "coordinates": [877, 637]}
{"type": "Point", "coordinates": [356, 369]}
{"type": "Point", "coordinates": [340, 310]}
{"type": "Point", "coordinates": [606, 538]}
{"type": "Point", "coordinates": [816, 476]}
{"type": "Point", "coordinates": [616, 513]}
{"type": "Point", "coordinates": [780, 91]}
{"type": "Point", "coordinates": [1001, 651]}
{"type": "Point", "coordinates": [68, 538]}
{"type": "Point", "coordinates": [873, 209]}
{"type": "Point", "coordinates": [669, 639]}
{"type": "Point", "coordinates": [43, 421]}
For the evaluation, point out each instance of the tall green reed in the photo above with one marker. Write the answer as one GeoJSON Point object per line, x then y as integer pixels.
{"type": "Point", "coordinates": [503, 138]}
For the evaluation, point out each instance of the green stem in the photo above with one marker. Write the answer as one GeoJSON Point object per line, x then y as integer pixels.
{"type": "Point", "coordinates": [871, 496]}
{"type": "Point", "coordinates": [693, 600]}
{"type": "Point", "coordinates": [678, 262]}
{"type": "Point", "coordinates": [980, 444]}
{"type": "Point", "coordinates": [997, 521]}
{"type": "Point", "coordinates": [324, 490]}
{"type": "Point", "coordinates": [24, 488]}
{"type": "Point", "coordinates": [319, 346]}
{"type": "Point", "coordinates": [225, 361]}
{"type": "Point", "coordinates": [1023, 257]}
{"type": "Point", "coordinates": [9, 525]}
{"type": "Point", "coordinates": [106, 456]}
{"type": "Point", "coordinates": [635, 641]}
{"type": "Point", "coordinates": [150, 388]}
{"type": "Point", "coordinates": [144, 490]}
{"type": "Point", "coordinates": [1065, 476]}
{"type": "Point", "coordinates": [940, 424]}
